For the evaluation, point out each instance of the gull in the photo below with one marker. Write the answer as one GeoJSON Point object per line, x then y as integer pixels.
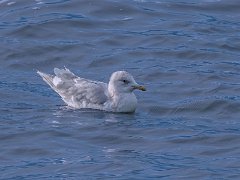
{"type": "Point", "coordinates": [77, 92]}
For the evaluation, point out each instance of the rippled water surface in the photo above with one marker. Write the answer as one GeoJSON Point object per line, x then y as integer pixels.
{"type": "Point", "coordinates": [187, 54]}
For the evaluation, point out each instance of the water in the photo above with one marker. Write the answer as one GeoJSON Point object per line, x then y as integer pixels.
{"type": "Point", "coordinates": [186, 125]}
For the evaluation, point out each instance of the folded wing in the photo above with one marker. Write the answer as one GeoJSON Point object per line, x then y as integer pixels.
{"type": "Point", "coordinates": [76, 91]}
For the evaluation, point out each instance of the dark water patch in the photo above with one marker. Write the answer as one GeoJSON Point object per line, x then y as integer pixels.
{"type": "Point", "coordinates": [210, 7]}
{"type": "Point", "coordinates": [107, 61]}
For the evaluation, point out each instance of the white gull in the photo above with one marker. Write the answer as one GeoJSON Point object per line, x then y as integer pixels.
{"type": "Point", "coordinates": [77, 92]}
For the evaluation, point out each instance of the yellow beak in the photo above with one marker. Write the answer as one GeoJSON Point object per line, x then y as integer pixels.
{"type": "Point", "coordinates": [142, 88]}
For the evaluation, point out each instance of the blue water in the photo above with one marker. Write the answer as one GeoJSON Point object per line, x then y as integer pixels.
{"type": "Point", "coordinates": [187, 54]}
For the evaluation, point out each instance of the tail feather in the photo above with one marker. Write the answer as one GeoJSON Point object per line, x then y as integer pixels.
{"type": "Point", "coordinates": [64, 73]}
{"type": "Point", "coordinates": [47, 78]}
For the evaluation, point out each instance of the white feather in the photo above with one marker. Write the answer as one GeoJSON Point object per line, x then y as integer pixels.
{"type": "Point", "coordinates": [77, 92]}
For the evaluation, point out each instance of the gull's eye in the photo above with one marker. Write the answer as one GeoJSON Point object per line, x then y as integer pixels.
{"type": "Point", "coordinates": [125, 81]}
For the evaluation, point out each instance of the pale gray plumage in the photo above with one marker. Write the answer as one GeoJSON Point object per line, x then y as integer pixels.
{"type": "Point", "coordinates": [77, 92]}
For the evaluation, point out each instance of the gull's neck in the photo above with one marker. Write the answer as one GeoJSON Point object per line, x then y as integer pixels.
{"type": "Point", "coordinates": [122, 101]}
{"type": "Point", "coordinates": [114, 93]}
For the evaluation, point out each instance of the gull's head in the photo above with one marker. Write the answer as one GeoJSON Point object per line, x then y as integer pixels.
{"type": "Point", "coordinates": [123, 82]}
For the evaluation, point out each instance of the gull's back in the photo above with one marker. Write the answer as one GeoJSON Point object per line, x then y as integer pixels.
{"type": "Point", "coordinates": [75, 91]}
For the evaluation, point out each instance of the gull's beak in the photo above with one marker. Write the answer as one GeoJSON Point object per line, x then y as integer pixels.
{"type": "Point", "coordinates": [142, 88]}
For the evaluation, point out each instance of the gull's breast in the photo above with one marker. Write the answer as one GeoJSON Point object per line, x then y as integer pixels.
{"type": "Point", "coordinates": [126, 103]}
